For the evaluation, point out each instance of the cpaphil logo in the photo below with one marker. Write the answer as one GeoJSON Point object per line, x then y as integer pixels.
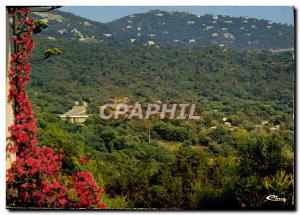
{"type": "Point", "coordinates": [275, 198]}
{"type": "Point", "coordinates": [175, 111]}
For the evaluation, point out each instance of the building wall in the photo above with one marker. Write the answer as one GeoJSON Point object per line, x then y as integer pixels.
{"type": "Point", "coordinates": [74, 119]}
{"type": "Point", "coordinates": [79, 119]}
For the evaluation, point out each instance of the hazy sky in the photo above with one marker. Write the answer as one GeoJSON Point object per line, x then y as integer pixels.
{"type": "Point", "coordinates": [109, 13]}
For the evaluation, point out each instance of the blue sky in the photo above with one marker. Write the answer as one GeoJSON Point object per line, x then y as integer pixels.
{"type": "Point", "coordinates": [282, 14]}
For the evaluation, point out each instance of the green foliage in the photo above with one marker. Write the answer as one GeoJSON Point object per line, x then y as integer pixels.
{"type": "Point", "coordinates": [39, 26]}
{"type": "Point", "coordinates": [254, 33]}
{"type": "Point", "coordinates": [115, 203]}
{"type": "Point", "coordinates": [250, 192]}
{"type": "Point", "coordinates": [281, 184]}
{"type": "Point", "coordinates": [263, 156]}
{"type": "Point", "coordinates": [52, 52]}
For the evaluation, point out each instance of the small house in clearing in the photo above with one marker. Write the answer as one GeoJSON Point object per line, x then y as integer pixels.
{"type": "Point", "coordinates": [77, 114]}
{"type": "Point", "coordinates": [119, 100]}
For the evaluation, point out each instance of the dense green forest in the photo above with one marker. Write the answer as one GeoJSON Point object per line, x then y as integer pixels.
{"type": "Point", "coordinates": [189, 164]}
{"type": "Point", "coordinates": [209, 75]}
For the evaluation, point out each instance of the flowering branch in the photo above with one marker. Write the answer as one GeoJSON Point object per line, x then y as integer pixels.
{"type": "Point", "coordinates": [36, 177]}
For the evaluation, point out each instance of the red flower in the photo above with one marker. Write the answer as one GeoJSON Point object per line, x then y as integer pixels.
{"type": "Point", "coordinates": [38, 166]}
{"type": "Point", "coordinates": [84, 160]}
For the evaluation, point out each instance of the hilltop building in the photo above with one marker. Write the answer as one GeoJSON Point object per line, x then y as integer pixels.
{"type": "Point", "coordinates": [77, 114]}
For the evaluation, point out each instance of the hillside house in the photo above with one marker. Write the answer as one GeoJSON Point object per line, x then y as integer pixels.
{"type": "Point", "coordinates": [77, 114]}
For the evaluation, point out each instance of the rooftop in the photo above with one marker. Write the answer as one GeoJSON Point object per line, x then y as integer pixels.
{"type": "Point", "coordinates": [76, 111]}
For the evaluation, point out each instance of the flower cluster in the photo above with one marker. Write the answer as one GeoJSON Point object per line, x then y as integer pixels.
{"type": "Point", "coordinates": [84, 160]}
{"type": "Point", "coordinates": [23, 131]}
{"type": "Point", "coordinates": [87, 190]}
{"type": "Point", "coordinates": [36, 176]}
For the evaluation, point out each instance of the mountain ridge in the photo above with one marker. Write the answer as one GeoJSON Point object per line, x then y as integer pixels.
{"type": "Point", "coordinates": [173, 29]}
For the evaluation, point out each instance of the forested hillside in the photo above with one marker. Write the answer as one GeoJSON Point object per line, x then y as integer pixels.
{"type": "Point", "coordinates": [99, 71]}
{"type": "Point", "coordinates": [173, 29]}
